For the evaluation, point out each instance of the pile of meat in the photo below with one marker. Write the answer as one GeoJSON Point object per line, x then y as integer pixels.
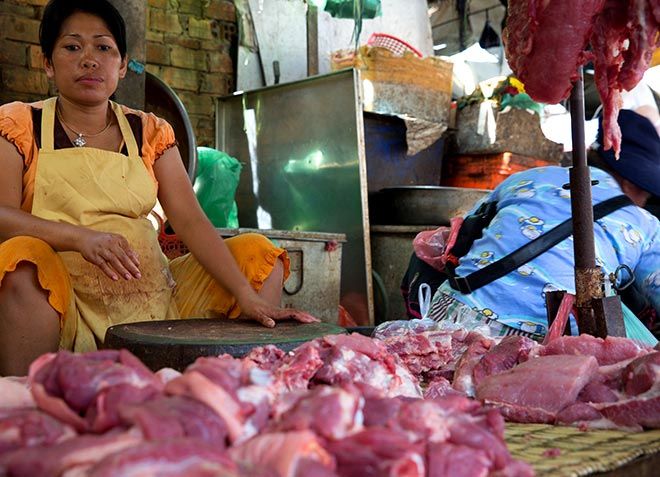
{"type": "Point", "coordinates": [589, 382]}
{"type": "Point", "coordinates": [547, 40]}
{"type": "Point", "coordinates": [336, 406]}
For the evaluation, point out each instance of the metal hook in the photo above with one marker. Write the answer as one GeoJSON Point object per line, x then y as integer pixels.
{"type": "Point", "coordinates": [615, 276]}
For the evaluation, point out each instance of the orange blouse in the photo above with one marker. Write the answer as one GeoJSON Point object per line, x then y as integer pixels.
{"type": "Point", "coordinates": [16, 127]}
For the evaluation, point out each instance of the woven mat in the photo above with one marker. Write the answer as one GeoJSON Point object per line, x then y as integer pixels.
{"type": "Point", "coordinates": [568, 452]}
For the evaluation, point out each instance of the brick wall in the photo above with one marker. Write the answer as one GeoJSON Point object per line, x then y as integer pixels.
{"type": "Point", "coordinates": [188, 47]}
{"type": "Point", "coordinates": [188, 43]}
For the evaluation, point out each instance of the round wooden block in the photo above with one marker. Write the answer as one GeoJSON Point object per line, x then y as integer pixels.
{"type": "Point", "coordinates": [177, 343]}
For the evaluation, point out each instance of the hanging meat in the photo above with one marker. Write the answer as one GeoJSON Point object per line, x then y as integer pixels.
{"type": "Point", "coordinates": [547, 40]}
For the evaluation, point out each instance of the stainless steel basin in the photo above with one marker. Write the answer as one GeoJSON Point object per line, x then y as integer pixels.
{"type": "Point", "coordinates": [422, 204]}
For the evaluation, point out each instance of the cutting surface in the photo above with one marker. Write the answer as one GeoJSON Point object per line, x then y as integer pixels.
{"type": "Point", "coordinates": [178, 343]}
{"type": "Point", "coordinates": [216, 331]}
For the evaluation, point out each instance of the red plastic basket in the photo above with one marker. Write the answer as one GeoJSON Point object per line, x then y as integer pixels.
{"type": "Point", "coordinates": [392, 43]}
{"type": "Point", "coordinates": [170, 244]}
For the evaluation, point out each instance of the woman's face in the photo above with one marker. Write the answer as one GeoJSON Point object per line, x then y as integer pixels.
{"type": "Point", "coordinates": [86, 64]}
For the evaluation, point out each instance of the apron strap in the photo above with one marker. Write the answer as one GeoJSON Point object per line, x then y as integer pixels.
{"type": "Point", "coordinates": [48, 125]}
{"type": "Point", "coordinates": [126, 131]}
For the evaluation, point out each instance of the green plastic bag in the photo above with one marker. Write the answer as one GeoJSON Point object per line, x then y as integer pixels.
{"type": "Point", "coordinates": [635, 329]}
{"type": "Point", "coordinates": [353, 8]}
{"type": "Point", "coordinates": [521, 101]}
{"type": "Point", "coordinates": [215, 186]}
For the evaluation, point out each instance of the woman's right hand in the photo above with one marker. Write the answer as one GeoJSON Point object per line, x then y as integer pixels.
{"type": "Point", "coordinates": [111, 253]}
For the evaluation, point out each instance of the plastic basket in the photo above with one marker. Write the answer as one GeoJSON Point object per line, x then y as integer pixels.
{"type": "Point", "coordinates": [392, 43]}
{"type": "Point", "coordinates": [170, 244]}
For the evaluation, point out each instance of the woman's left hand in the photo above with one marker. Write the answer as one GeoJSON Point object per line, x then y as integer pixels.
{"type": "Point", "coordinates": [257, 309]}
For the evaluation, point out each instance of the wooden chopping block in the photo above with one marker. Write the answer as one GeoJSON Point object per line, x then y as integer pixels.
{"type": "Point", "coordinates": [177, 343]}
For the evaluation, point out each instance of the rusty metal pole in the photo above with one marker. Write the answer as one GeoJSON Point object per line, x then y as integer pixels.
{"type": "Point", "coordinates": [312, 39]}
{"type": "Point", "coordinates": [588, 277]}
{"type": "Point", "coordinates": [131, 90]}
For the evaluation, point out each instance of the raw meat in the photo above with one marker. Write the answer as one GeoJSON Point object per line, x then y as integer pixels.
{"type": "Point", "coordinates": [173, 458]}
{"type": "Point", "coordinates": [15, 393]}
{"type": "Point", "coordinates": [509, 352]}
{"type": "Point", "coordinates": [378, 452]}
{"type": "Point", "coordinates": [607, 351]}
{"type": "Point", "coordinates": [176, 417]}
{"type": "Point", "coordinates": [463, 378]}
{"type": "Point", "coordinates": [331, 412]}
{"type": "Point", "coordinates": [78, 453]}
{"type": "Point", "coordinates": [421, 352]}
{"type": "Point", "coordinates": [85, 390]}
{"type": "Point", "coordinates": [642, 374]}
{"type": "Point", "coordinates": [537, 390]}
{"type": "Point", "coordinates": [547, 40]}
{"type": "Point", "coordinates": [624, 38]}
{"type": "Point", "coordinates": [30, 428]}
{"type": "Point", "coordinates": [440, 387]}
{"type": "Point", "coordinates": [286, 453]}
{"type": "Point", "coordinates": [341, 359]}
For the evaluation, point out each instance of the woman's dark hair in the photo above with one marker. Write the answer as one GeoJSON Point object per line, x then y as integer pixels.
{"type": "Point", "coordinates": [57, 11]}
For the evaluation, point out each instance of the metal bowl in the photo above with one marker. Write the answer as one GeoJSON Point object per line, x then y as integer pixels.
{"type": "Point", "coordinates": [422, 205]}
{"type": "Point", "coordinates": [161, 100]}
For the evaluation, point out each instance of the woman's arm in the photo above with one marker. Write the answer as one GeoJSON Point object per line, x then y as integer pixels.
{"type": "Point", "coordinates": [195, 230]}
{"type": "Point", "coordinates": [110, 252]}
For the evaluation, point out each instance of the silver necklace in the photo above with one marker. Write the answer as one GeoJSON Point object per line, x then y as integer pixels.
{"type": "Point", "coordinates": [80, 141]}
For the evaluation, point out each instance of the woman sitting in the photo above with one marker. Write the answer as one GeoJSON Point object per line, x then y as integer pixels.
{"type": "Point", "coordinates": [80, 175]}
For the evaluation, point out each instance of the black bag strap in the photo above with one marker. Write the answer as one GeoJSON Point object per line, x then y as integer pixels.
{"type": "Point", "coordinates": [472, 228]}
{"type": "Point", "coordinates": [529, 251]}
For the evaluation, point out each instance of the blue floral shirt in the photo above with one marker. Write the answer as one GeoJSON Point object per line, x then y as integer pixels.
{"type": "Point", "coordinates": [529, 204]}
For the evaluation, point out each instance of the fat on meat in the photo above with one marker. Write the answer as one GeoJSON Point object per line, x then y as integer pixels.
{"type": "Point", "coordinates": [295, 370]}
{"type": "Point", "coordinates": [172, 458]}
{"type": "Point", "coordinates": [287, 453]}
{"type": "Point", "coordinates": [642, 410]}
{"type": "Point", "coordinates": [78, 453]}
{"type": "Point", "coordinates": [15, 393]}
{"type": "Point", "coordinates": [235, 389]}
{"type": "Point", "coordinates": [344, 359]}
{"type": "Point", "coordinates": [463, 376]}
{"type": "Point", "coordinates": [331, 412]}
{"type": "Point", "coordinates": [421, 351]}
{"type": "Point", "coordinates": [642, 374]}
{"type": "Point", "coordinates": [22, 428]}
{"type": "Point", "coordinates": [196, 386]}
{"type": "Point", "coordinates": [631, 402]}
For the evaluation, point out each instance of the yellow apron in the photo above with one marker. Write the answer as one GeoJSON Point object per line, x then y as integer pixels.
{"type": "Point", "coordinates": [108, 192]}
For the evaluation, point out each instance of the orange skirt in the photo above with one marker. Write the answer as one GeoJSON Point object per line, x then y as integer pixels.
{"type": "Point", "coordinates": [197, 294]}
